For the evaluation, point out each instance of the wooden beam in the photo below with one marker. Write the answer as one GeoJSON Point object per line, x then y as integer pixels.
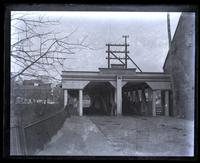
{"type": "Point", "coordinates": [115, 51]}
{"type": "Point", "coordinates": [166, 103]}
{"type": "Point", "coordinates": [117, 44]}
{"type": "Point", "coordinates": [119, 95]}
{"type": "Point", "coordinates": [117, 58]}
{"type": "Point", "coordinates": [80, 102]}
{"type": "Point", "coordinates": [134, 63]}
{"type": "Point", "coordinates": [65, 97]}
{"type": "Point", "coordinates": [154, 103]}
{"type": "Point", "coordinates": [160, 85]}
{"type": "Point", "coordinates": [108, 51]}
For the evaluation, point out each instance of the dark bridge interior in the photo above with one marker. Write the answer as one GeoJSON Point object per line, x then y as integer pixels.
{"type": "Point", "coordinates": [100, 94]}
{"type": "Point", "coordinates": [98, 99]}
{"type": "Point", "coordinates": [136, 99]}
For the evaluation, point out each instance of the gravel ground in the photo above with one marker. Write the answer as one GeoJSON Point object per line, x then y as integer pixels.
{"type": "Point", "coordinates": [122, 136]}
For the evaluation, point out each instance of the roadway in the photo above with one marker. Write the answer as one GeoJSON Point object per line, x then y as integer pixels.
{"type": "Point", "coordinates": [122, 136]}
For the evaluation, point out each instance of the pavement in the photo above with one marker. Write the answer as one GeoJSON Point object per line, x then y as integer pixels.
{"type": "Point", "coordinates": [122, 136]}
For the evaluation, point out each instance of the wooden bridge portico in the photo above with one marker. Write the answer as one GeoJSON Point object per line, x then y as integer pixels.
{"type": "Point", "coordinates": [123, 81]}
{"type": "Point", "coordinates": [131, 90]}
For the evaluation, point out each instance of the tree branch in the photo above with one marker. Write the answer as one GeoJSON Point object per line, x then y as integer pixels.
{"type": "Point", "coordinates": [34, 61]}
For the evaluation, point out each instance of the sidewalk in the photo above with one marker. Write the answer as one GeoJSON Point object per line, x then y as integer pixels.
{"type": "Point", "coordinates": [78, 136]}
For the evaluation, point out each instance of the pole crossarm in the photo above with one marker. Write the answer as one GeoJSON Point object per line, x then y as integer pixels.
{"type": "Point", "coordinates": [117, 44]}
{"type": "Point", "coordinates": [118, 58]}
{"type": "Point", "coordinates": [123, 59]}
{"type": "Point", "coordinates": [118, 51]}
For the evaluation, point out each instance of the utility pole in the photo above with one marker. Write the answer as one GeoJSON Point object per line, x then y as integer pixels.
{"type": "Point", "coordinates": [169, 29]}
{"type": "Point", "coordinates": [125, 36]}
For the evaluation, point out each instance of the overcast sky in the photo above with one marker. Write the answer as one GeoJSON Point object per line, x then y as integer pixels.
{"type": "Point", "coordinates": [147, 32]}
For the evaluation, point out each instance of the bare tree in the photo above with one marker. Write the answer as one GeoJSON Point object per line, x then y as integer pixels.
{"type": "Point", "coordinates": [37, 49]}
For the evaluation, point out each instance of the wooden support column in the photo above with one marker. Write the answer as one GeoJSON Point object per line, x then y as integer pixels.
{"type": "Point", "coordinates": [134, 96]}
{"type": "Point", "coordinates": [137, 98]}
{"type": "Point", "coordinates": [111, 97]}
{"type": "Point", "coordinates": [143, 102]}
{"type": "Point", "coordinates": [115, 95]}
{"type": "Point", "coordinates": [149, 94]}
{"type": "Point", "coordinates": [143, 95]}
{"type": "Point", "coordinates": [131, 95]}
{"type": "Point", "coordinates": [137, 102]}
{"type": "Point", "coordinates": [65, 97]}
{"type": "Point", "coordinates": [111, 102]}
{"type": "Point", "coordinates": [80, 102]}
{"type": "Point", "coordinates": [166, 103]}
{"type": "Point", "coordinates": [119, 95]}
{"type": "Point", "coordinates": [154, 102]}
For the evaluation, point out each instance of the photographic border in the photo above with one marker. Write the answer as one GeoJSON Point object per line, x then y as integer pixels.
{"type": "Point", "coordinates": [8, 7]}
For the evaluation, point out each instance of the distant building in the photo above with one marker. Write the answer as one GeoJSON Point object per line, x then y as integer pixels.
{"type": "Point", "coordinates": [32, 82]}
{"type": "Point", "coordinates": [33, 90]}
{"type": "Point", "coordinates": [44, 78]}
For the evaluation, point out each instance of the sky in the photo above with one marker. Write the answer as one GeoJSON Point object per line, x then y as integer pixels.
{"type": "Point", "coordinates": [147, 31]}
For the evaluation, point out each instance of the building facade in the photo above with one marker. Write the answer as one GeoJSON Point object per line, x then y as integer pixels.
{"type": "Point", "coordinates": [180, 63]}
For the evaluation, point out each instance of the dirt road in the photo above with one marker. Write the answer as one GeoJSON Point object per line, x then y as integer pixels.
{"type": "Point", "coordinates": [122, 136]}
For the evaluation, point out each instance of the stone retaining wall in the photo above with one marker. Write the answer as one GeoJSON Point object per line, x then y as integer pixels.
{"type": "Point", "coordinates": [39, 133]}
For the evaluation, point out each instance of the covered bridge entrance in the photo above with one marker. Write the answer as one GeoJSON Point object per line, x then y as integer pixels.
{"type": "Point", "coordinates": [117, 89]}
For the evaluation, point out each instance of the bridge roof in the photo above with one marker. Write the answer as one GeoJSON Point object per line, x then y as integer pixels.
{"type": "Point", "coordinates": [110, 75]}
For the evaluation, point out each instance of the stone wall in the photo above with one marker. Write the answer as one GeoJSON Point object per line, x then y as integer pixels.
{"type": "Point", "coordinates": [39, 133]}
{"type": "Point", "coordinates": [180, 63]}
{"type": "Point", "coordinates": [34, 112]}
